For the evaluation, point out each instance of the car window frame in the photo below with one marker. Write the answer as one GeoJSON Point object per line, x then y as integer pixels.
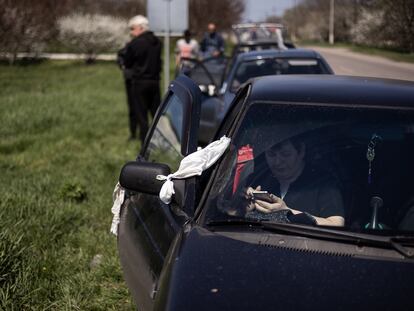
{"type": "Point", "coordinates": [201, 210]}
{"type": "Point", "coordinates": [190, 100]}
{"type": "Point", "coordinates": [234, 114]}
{"type": "Point", "coordinates": [320, 62]}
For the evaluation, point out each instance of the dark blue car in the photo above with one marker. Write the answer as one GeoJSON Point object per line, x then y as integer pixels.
{"type": "Point", "coordinates": [220, 84]}
{"type": "Point", "coordinates": [311, 206]}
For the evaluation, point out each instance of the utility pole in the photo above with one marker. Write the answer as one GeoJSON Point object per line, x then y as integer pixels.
{"type": "Point", "coordinates": [331, 22]}
{"type": "Point", "coordinates": [167, 47]}
{"type": "Point", "coordinates": [295, 21]}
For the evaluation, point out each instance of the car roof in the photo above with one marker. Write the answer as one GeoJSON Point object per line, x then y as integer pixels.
{"type": "Point", "coordinates": [341, 90]}
{"type": "Point", "coordinates": [255, 25]}
{"type": "Point", "coordinates": [271, 53]}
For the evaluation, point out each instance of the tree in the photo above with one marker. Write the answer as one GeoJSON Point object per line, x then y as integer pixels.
{"type": "Point", "coordinates": [118, 8]}
{"type": "Point", "coordinates": [223, 13]}
{"type": "Point", "coordinates": [25, 26]}
{"type": "Point", "coordinates": [398, 23]}
{"type": "Point", "coordinates": [380, 23]}
{"type": "Point", "coordinates": [92, 34]}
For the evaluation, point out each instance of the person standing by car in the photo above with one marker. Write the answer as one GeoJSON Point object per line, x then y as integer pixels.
{"type": "Point", "coordinates": [212, 44]}
{"type": "Point", "coordinates": [186, 47]}
{"type": "Point", "coordinates": [127, 74]}
{"type": "Point", "coordinates": [142, 62]}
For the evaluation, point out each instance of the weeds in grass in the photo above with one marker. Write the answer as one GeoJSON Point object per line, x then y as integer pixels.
{"type": "Point", "coordinates": [63, 130]}
{"type": "Point", "coordinates": [74, 191]}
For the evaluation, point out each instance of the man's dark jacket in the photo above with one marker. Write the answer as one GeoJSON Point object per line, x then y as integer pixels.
{"type": "Point", "coordinates": [142, 57]}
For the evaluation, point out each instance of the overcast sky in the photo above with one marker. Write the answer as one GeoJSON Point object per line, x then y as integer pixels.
{"type": "Point", "coordinates": [258, 10]}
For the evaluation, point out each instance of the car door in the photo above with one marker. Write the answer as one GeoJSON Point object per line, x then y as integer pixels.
{"type": "Point", "coordinates": [207, 73]}
{"type": "Point", "coordinates": [147, 225]}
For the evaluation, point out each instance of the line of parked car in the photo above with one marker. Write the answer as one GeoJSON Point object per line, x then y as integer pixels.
{"type": "Point", "coordinates": [310, 207]}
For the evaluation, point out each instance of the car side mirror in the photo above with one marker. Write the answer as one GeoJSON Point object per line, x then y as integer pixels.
{"type": "Point", "coordinates": [142, 176]}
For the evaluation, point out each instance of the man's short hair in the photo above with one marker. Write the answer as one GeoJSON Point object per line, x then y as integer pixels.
{"type": "Point", "coordinates": [139, 20]}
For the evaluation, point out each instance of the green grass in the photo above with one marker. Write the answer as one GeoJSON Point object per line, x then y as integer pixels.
{"type": "Point", "coordinates": [390, 54]}
{"type": "Point", "coordinates": [63, 140]}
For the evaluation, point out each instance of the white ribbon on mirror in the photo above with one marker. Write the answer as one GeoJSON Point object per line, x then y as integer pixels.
{"type": "Point", "coordinates": [192, 165]}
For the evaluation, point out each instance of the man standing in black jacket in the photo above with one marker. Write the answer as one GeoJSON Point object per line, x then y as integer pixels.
{"type": "Point", "coordinates": [141, 59]}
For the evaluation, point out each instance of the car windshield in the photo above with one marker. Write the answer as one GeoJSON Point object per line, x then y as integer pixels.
{"type": "Point", "coordinates": [207, 72]}
{"type": "Point", "coordinates": [275, 66]}
{"type": "Point", "coordinates": [309, 165]}
{"type": "Point", "coordinates": [257, 33]}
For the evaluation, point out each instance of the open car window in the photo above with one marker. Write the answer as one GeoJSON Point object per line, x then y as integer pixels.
{"type": "Point", "coordinates": [356, 163]}
{"type": "Point", "coordinates": [275, 66]}
{"type": "Point", "coordinates": [165, 143]}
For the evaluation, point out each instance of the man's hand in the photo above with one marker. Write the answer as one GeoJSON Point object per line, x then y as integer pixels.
{"type": "Point", "coordinates": [265, 207]}
{"type": "Point", "coordinates": [249, 196]}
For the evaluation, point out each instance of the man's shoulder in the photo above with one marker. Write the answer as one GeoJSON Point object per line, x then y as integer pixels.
{"type": "Point", "coordinates": [180, 41]}
{"type": "Point", "coordinates": [134, 41]}
{"type": "Point", "coordinates": [312, 175]}
{"type": "Point", "coordinates": [150, 35]}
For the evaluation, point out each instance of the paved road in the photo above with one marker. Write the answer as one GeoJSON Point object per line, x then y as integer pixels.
{"type": "Point", "coordinates": [345, 62]}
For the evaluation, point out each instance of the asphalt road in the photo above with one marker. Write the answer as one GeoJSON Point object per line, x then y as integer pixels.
{"type": "Point", "coordinates": [345, 62]}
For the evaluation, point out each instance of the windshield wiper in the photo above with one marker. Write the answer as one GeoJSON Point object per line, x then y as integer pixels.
{"type": "Point", "coordinates": [395, 242]}
{"type": "Point", "coordinates": [235, 222]}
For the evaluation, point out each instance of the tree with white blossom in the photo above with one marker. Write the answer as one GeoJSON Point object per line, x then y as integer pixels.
{"type": "Point", "coordinates": [92, 33]}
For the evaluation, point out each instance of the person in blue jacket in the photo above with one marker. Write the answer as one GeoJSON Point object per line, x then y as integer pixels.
{"type": "Point", "coordinates": [212, 44]}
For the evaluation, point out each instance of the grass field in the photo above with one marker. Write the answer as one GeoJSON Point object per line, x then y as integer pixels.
{"type": "Point", "coordinates": [63, 139]}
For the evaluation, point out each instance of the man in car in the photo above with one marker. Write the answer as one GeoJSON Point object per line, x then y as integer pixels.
{"type": "Point", "coordinates": [303, 191]}
{"type": "Point", "coordinates": [142, 59]}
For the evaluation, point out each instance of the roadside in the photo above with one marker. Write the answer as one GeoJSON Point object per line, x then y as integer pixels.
{"type": "Point", "coordinates": [388, 54]}
{"type": "Point", "coordinates": [59, 56]}
{"type": "Point", "coordinates": [63, 129]}
{"type": "Point", "coordinates": [346, 62]}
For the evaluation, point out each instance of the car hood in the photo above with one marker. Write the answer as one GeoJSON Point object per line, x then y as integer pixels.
{"type": "Point", "coordinates": [209, 271]}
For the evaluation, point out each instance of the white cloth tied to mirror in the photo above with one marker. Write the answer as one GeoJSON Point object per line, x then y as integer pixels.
{"type": "Point", "coordinates": [118, 198]}
{"type": "Point", "coordinates": [192, 165]}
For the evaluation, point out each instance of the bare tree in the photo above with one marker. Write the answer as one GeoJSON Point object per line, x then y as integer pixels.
{"type": "Point", "coordinates": [223, 13]}
{"type": "Point", "coordinates": [398, 23]}
{"type": "Point", "coordinates": [119, 8]}
{"type": "Point", "coordinates": [25, 26]}
{"type": "Point", "coordinates": [371, 22]}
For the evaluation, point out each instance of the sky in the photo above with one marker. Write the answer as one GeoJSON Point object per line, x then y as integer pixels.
{"type": "Point", "coordinates": [258, 10]}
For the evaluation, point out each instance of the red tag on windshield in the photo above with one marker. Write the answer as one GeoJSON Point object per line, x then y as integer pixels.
{"type": "Point", "coordinates": [244, 154]}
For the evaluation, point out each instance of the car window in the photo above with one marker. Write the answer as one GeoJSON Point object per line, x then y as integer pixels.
{"type": "Point", "coordinates": [356, 163]}
{"type": "Point", "coordinates": [259, 33]}
{"type": "Point", "coordinates": [275, 66]}
{"type": "Point", "coordinates": [165, 143]}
